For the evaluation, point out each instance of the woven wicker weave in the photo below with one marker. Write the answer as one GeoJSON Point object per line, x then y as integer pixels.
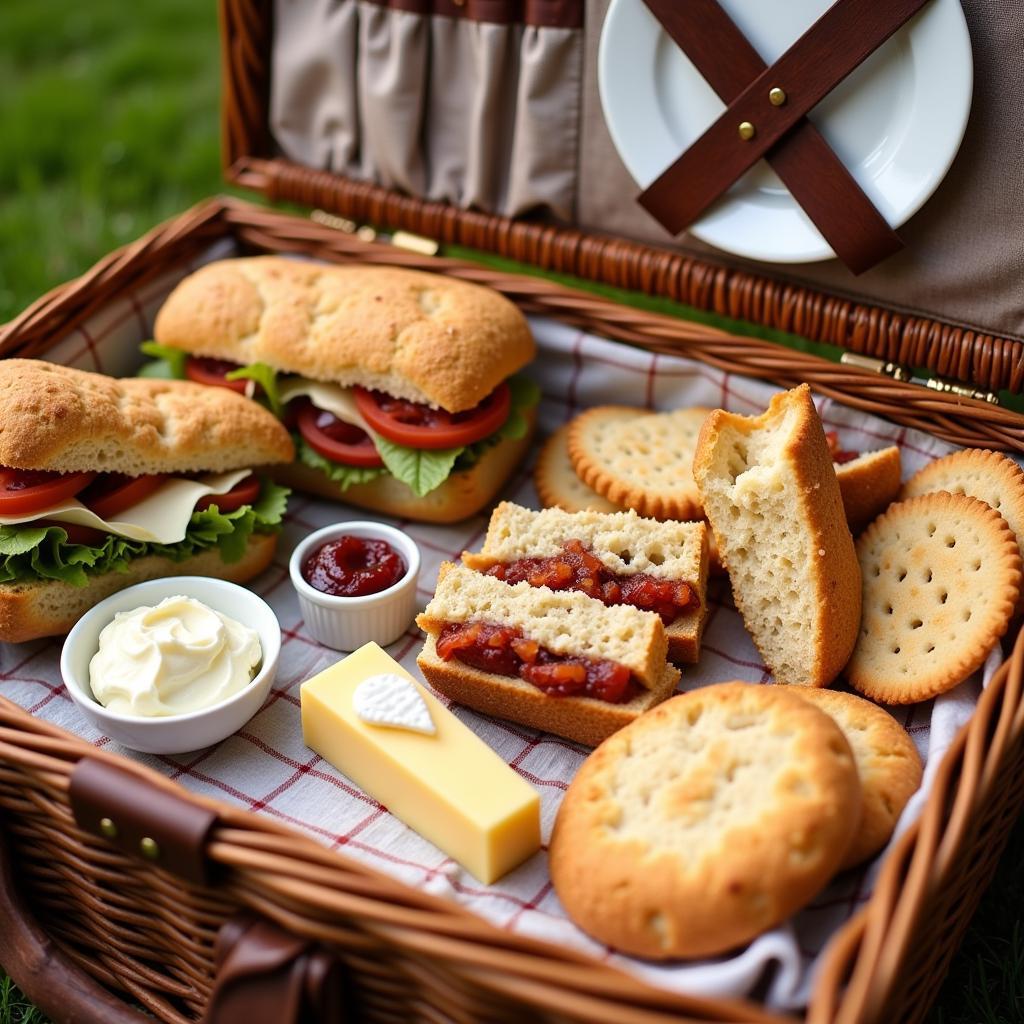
{"type": "Point", "coordinates": [249, 159]}
{"type": "Point", "coordinates": [413, 957]}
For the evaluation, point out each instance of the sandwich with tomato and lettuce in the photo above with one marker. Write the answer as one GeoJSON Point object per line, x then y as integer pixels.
{"type": "Point", "coordinates": [105, 483]}
{"type": "Point", "coordinates": [401, 389]}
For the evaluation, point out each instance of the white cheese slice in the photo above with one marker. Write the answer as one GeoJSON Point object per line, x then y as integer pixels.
{"type": "Point", "coordinates": [162, 518]}
{"type": "Point", "coordinates": [331, 397]}
{"type": "Point", "coordinates": [389, 699]}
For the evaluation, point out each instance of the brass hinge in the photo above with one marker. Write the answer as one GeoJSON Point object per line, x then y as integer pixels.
{"type": "Point", "coordinates": [403, 239]}
{"type": "Point", "coordinates": [903, 373]}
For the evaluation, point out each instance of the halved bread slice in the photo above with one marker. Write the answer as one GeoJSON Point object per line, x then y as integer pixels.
{"type": "Point", "coordinates": [625, 543]}
{"type": "Point", "coordinates": [566, 623]}
{"type": "Point", "coordinates": [772, 496]}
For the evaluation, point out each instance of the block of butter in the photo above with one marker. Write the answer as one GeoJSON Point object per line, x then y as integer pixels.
{"type": "Point", "coordinates": [447, 784]}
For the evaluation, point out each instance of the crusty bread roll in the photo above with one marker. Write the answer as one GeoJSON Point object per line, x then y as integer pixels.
{"type": "Point", "coordinates": [625, 543]}
{"type": "Point", "coordinates": [419, 336]}
{"type": "Point", "coordinates": [565, 622]}
{"type": "Point", "coordinates": [51, 607]}
{"type": "Point", "coordinates": [771, 494]}
{"type": "Point", "coordinates": [56, 418]}
{"type": "Point", "coordinates": [463, 494]}
{"type": "Point", "coordinates": [580, 719]}
{"type": "Point", "coordinates": [868, 485]}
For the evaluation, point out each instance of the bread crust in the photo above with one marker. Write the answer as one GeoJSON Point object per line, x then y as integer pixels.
{"type": "Point", "coordinates": [835, 571]}
{"type": "Point", "coordinates": [420, 336]}
{"type": "Point", "coordinates": [705, 822]}
{"type": "Point", "coordinates": [462, 495]}
{"type": "Point", "coordinates": [41, 608]}
{"type": "Point", "coordinates": [868, 485]}
{"type": "Point", "coordinates": [580, 719]}
{"type": "Point", "coordinates": [57, 418]}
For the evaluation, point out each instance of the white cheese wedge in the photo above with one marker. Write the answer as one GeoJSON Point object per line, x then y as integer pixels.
{"type": "Point", "coordinates": [388, 699]}
{"type": "Point", "coordinates": [331, 397]}
{"type": "Point", "coordinates": [162, 518]}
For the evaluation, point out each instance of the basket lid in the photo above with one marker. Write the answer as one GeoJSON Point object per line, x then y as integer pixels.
{"type": "Point", "coordinates": [378, 112]}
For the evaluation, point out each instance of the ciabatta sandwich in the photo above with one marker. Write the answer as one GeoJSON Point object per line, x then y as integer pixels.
{"type": "Point", "coordinates": [104, 483]}
{"type": "Point", "coordinates": [615, 557]}
{"type": "Point", "coordinates": [771, 494]}
{"type": "Point", "coordinates": [395, 383]}
{"type": "Point", "coordinates": [553, 660]}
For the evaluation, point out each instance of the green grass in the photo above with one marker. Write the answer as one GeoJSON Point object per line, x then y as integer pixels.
{"type": "Point", "coordinates": [109, 124]}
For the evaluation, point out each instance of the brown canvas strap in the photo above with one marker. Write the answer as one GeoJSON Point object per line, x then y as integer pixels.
{"type": "Point", "coordinates": [776, 126]}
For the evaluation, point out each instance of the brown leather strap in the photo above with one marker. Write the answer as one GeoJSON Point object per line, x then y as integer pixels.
{"type": "Point", "coordinates": [264, 973]}
{"type": "Point", "coordinates": [142, 819]}
{"type": "Point", "coordinates": [836, 44]}
{"type": "Point", "coordinates": [816, 178]}
{"type": "Point", "coordinates": [61, 989]}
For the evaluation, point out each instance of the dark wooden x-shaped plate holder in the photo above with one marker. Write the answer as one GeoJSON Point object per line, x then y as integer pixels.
{"type": "Point", "coordinates": [766, 117]}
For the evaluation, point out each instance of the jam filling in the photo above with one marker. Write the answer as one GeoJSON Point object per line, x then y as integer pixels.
{"type": "Point", "coordinates": [839, 457]}
{"type": "Point", "coordinates": [354, 567]}
{"type": "Point", "coordinates": [577, 568]}
{"type": "Point", "coordinates": [504, 651]}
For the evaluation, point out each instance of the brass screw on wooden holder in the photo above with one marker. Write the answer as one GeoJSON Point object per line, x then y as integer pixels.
{"type": "Point", "coordinates": [108, 828]}
{"type": "Point", "coordinates": [149, 848]}
{"type": "Point", "coordinates": [776, 97]}
{"type": "Point", "coordinates": [747, 131]}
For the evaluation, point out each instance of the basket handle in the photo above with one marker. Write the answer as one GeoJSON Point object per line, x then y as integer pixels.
{"type": "Point", "coordinates": [60, 988]}
{"type": "Point", "coordinates": [265, 973]}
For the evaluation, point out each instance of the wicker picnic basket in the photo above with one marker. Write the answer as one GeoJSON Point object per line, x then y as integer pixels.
{"type": "Point", "coordinates": [238, 917]}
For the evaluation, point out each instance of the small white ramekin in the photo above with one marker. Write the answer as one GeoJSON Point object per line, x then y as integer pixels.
{"type": "Point", "coordinates": [173, 734]}
{"type": "Point", "coordinates": [346, 623]}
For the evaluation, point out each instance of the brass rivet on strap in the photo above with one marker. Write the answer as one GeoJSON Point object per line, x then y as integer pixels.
{"type": "Point", "coordinates": [108, 828]}
{"type": "Point", "coordinates": [149, 848]}
{"type": "Point", "coordinates": [776, 97]}
{"type": "Point", "coordinates": [747, 131]}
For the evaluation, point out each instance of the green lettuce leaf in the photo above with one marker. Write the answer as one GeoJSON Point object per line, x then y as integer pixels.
{"type": "Point", "coordinates": [344, 476]}
{"type": "Point", "coordinates": [266, 377]}
{"type": "Point", "coordinates": [33, 552]}
{"type": "Point", "coordinates": [170, 362]}
{"type": "Point", "coordinates": [422, 469]}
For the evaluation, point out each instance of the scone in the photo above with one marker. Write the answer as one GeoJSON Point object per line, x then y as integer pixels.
{"type": "Point", "coordinates": [707, 821]}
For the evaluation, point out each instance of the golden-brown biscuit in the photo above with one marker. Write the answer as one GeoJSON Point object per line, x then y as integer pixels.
{"type": "Point", "coordinates": [639, 460]}
{"type": "Point", "coordinates": [990, 477]}
{"type": "Point", "coordinates": [941, 576]}
{"type": "Point", "coordinates": [557, 483]}
{"type": "Point", "coordinates": [868, 485]}
{"type": "Point", "coordinates": [887, 761]}
{"type": "Point", "coordinates": [706, 821]}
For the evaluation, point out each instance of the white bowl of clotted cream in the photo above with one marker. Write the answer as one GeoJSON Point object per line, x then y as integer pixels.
{"type": "Point", "coordinates": [142, 660]}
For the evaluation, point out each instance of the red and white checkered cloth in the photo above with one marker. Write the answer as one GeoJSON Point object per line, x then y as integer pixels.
{"type": "Point", "coordinates": [266, 768]}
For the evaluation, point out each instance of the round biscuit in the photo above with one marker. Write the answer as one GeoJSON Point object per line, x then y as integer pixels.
{"type": "Point", "coordinates": [640, 460]}
{"type": "Point", "coordinates": [557, 483]}
{"type": "Point", "coordinates": [941, 574]}
{"type": "Point", "coordinates": [704, 822]}
{"type": "Point", "coordinates": [991, 477]}
{"type": "Point", "coordinates": [887, 761]}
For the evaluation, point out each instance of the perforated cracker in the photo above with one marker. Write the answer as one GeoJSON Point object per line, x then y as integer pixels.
{"type": "Point", "coordinates": [558, 484]}
{"type": "Point", "coordinates": [941, 576]}
{"type": "Point", "coordinates": [639, 460]}
{"type": "Point", "coordinates": [990, 477]}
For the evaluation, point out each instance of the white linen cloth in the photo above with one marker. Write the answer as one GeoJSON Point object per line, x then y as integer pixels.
{"type": "Point", "coordinates": [266, 768]}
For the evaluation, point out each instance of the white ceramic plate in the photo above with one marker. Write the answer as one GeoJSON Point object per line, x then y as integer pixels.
{"type": "Point", "coordinates": [896, 122]}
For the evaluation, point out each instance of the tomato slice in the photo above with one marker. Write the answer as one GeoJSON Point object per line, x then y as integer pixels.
{"type": "Point", "coordinates": [213, 372]}
{"type": "Point", "coordinates": [111, 493]}
{"type": "Point", "coordinates": [77, 534]}
{"type": "Point", "coordinates": [245, 492]}
{"type": "Point", "coordinates": [335, 439]}
{"type": "Point", "coordinates": [419, 426]}
{"type": "Point", "coordinates": [24, 491]}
